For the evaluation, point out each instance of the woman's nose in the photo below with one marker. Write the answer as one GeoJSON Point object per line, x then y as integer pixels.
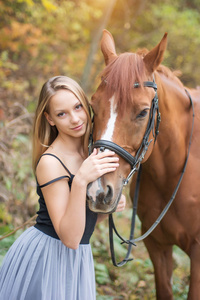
{"type": "Point", "coordinates": [74, 118]}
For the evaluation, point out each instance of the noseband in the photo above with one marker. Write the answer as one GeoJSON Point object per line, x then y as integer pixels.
{"type": "Point", "coordinates": [136, 160]}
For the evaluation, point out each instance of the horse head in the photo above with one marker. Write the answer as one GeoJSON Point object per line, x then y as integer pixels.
{"type": "Point", "coordinates": [122, 107]}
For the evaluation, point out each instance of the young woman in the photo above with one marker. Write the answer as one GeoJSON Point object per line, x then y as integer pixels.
{"type": "Point", "coordinates": [53, 259]}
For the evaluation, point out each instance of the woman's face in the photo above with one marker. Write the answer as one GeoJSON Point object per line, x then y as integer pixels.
{"type": "Point", "coordinates": [67, 114]}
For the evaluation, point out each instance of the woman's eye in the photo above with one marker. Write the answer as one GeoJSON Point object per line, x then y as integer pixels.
{"type": "Point", "coordinates": [61, 114]}
{"type": "Point", "coordinates": [79, 106]}
{"type": "Point", "coordinates": [142, 114]}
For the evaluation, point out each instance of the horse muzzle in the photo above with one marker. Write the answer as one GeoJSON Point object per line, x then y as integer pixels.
{"type": "Point", "coordinates": [102, 197]}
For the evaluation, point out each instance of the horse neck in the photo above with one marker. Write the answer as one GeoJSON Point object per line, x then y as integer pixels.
{"type": "Point", "coordinates": [171, 146]}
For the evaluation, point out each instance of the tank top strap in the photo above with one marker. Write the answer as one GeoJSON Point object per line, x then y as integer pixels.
{"type": "Point", "coordinates": [53, 180]}
{"type": "Point", "coordinates": [50, 154]}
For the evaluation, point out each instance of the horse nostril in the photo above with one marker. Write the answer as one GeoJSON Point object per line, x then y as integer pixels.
{"type": "Point", "coordinates": [109, 195]}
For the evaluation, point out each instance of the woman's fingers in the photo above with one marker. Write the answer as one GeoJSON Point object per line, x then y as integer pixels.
{"type": "Point", "coordinates": [106, 160]}
{"type": "Point", "coordinates": [102, 154]}
{"type": "Point", "coordinates": [104, 157]}
{"type": "Point", "coordinates": [106, 170]}
{"type": "Point", "coordinates": [98, 164]}
{"type": "Point", "coordinates": [107, 164]}
{"type": "Point", "coordinates": [122, 204]}
{"type": "Point", "coordinates": [94, 152]}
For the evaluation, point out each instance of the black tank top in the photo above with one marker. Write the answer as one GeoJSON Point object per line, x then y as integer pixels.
{"type": "Point", "coordinates": [43, 221]}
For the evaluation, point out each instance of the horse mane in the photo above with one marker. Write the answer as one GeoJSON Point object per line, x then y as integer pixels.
{"type": "Point", "coordinates": [119, 76]}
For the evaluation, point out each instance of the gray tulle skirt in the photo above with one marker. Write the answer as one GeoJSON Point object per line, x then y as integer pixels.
{"type": "Point", "coordinates": [39, 267]}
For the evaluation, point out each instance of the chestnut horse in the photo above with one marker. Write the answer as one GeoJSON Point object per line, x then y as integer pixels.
{"type": "Point", "coordinates": [122, 107]}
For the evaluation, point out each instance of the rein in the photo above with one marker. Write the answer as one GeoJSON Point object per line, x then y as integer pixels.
{"type": "Point", "coordinates": [135, 163]}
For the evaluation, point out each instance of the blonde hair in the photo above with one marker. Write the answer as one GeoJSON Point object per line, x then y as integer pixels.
{"type": "Point", "coordinates": [43, 133]}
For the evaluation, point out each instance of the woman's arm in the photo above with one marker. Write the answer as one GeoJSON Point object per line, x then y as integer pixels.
{"type": "Point", "coordinates": [67, 208]}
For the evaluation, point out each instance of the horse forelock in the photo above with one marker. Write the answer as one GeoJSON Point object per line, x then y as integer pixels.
{"type": "Point", "coordinates": [120, 76]}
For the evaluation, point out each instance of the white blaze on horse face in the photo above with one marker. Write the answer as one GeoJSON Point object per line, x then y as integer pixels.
{"type": "Point", "coordinates": [111, 122]}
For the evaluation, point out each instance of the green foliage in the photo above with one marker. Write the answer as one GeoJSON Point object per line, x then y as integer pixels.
{"type": "Point", "coordinates": [6, 243]}
{"type": "Point", "coordinates": [144, 28]}
{"type": "Point", "coordinates": [101, 273]}
{"type": "Point", "coordinates": [102, 297]}
{"type": "Point", "coordinates": [5, 217]}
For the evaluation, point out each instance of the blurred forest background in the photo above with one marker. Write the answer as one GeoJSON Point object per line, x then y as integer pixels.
{"type": "Point", "coordinates": [43, 38]}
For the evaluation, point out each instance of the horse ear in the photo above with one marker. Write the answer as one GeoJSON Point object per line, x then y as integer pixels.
{"type": "Point", "coordinates": [108, 47]}
{"type": "Point", "coordinates": [154, 58]}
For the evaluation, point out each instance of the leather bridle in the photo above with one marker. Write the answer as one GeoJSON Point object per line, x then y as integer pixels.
{"type": "Point", "coordinates": [136, 165]}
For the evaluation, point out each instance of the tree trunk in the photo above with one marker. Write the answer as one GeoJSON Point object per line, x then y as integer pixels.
{"type": "Point", "coordinates": [95, 43]}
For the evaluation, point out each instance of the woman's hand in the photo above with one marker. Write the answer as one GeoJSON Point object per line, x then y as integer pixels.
{"type": "Point", "coordinates": [122, 204]}
{"type": "Point", "coordinates": [120, 207]}
{"type": "Point", "coordinates": [96, 165]}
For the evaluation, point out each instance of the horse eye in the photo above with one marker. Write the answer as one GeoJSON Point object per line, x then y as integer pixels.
{"type": "Point", "coordinates": [142, 114]}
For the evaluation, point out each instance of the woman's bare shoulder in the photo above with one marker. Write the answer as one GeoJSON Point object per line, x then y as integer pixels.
{"type": "Point", "coordinates": [49, 168]}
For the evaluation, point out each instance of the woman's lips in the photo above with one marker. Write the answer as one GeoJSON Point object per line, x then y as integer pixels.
{"type": "Point", "coordinates": [78, 127]}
